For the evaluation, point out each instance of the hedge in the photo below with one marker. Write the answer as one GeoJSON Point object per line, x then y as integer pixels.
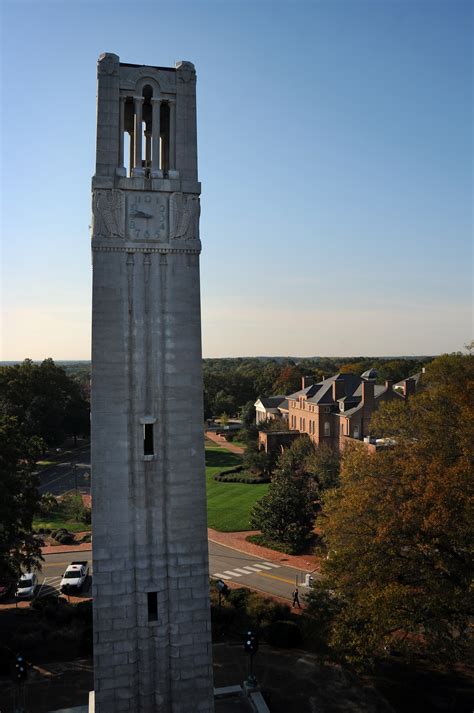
{"type": "Point", "coordinates": [238, 475]}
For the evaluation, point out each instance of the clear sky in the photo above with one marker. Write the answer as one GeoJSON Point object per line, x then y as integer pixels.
{"type": "Point", "coordinates": [335, 154]}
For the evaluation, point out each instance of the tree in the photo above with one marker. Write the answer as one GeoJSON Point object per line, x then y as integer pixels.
{"type": "Point", "coordinates": [247, 414]}
{"type": "Point", "coordinates": [286, 513]}
{"type": "Point", "coordinates": [288, 381]}
{"type": "Point", "coordinates": [258, 461]}
{"type": "Point", "coordinates": [46, 401]}
{"type": "Point", "coordinates": [320, 463]}
{"type": "Point", "coordinates": [20, 498]}
{"type": "Point", "coordinates": [274, 424]}
{"type": "Point", "coordinates": [399, 528]}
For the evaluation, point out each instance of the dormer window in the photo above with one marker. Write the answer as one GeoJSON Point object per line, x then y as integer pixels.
{"type": "Point", "coordinates": [341, 405]}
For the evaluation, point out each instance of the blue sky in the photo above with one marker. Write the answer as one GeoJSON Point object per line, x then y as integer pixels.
{"type": "Point", "coordinates": [335, 153]}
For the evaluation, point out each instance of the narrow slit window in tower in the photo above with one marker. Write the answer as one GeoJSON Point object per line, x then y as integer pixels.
{"type": "Point", "coordinates": [152, 606]}
{"type": "Point", "coordinates": [148, 448]}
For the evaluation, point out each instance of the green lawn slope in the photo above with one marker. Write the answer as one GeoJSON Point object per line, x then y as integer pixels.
{"type": "Point", "coordinates": [228, 504]}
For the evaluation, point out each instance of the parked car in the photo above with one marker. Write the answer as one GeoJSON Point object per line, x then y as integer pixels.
{"type": "Point", "coordinates": [74, 577]}
{"type": "Point", "coordinates": [27, 585]}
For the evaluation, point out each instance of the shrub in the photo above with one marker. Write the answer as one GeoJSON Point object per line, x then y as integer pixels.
{"type": "Point", "coordinates": [239, 475]}
{"type": "Point", "coordinates": [267, 610]}
{"type": "Point", "coordinates": [285, 634]}
{"type": "Point", "coordinates": [238, 598]}
{"type": "Point", "coordinates": [83, 612]}
{"type": "Point", "coordinates": [63, 536]}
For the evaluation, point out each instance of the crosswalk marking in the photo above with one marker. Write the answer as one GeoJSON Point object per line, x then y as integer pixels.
{"type": "Point", "coordinates": [221, 576]}
{"type": "Point", "coordinates": [272, 564]}
{"type": "Point", "coordinates": [251, 569]}
{"type": "Point", "coordinates": [262, 566]}
{"type": "Point", "coordinates": [231, 573]}
{"type": "Point", "coordinates": [242, 571]}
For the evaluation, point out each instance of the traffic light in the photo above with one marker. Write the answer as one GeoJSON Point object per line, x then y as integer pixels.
{"type": "Point", "coordinates": [251, 642]}
{"type": "Point", "coordinates": [19, 669]}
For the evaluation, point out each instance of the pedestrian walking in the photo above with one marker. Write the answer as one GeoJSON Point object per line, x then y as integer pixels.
{"type": "Point", "coordinates": [296, 599]}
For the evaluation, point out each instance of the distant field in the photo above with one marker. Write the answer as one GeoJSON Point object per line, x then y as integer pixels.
{"type": "Point", "coordinates": [228, 504]}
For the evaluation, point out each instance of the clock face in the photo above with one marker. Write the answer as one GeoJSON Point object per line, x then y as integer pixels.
{"type": "Point", "coordinates": [147, 216]}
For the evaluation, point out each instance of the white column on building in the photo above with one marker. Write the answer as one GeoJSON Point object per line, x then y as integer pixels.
{"type": "Point", "coordinates": [156, 167]}
{"type": "Point", "coordinates": [137, 164]}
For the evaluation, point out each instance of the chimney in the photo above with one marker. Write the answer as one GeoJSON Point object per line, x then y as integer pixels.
{"type": "Point", "coordinates": [409, 386]}
{"type": "Point", "coordinates": [306, 381]}
{"type": "Point", "coordinates": [338, 388]}
{"type": "Point", "coordinates": [389, 385]}
{"type": "Point", "coordinates": [368, 392]}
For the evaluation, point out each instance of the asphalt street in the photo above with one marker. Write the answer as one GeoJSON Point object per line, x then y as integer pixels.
{"type": "Point", "coordinates": [265, 575]}
{"type": "Point", "coordinates": [72, 474]}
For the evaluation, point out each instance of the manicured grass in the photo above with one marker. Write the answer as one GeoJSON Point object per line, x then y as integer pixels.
{"type": "Point", "coordinates": [55, 522]}
{"type": "Point", "coordinates": [240, 444]}
{"type": "Point", "coordinates": [228, 504]}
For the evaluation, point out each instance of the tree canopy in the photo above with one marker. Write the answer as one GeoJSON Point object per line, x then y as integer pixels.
{"type": "Point", "coordinates": [399, 528]}
{"type": "Point", "coordinates": [45, 400]}
{"type": "Point", "coordinates": [18, 546]}
{"type": "Point", "coordinates": [286, 514]}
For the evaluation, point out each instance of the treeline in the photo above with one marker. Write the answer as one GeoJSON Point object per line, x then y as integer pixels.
{"type": "Point", "coordinates": [230, 385]}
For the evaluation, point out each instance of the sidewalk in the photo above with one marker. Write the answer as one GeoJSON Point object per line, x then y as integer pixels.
{"type": "Point", "coordinates": [220, 441]}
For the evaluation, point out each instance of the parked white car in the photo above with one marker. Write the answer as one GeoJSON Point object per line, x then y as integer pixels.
{"type": "Point", "coordinates": [74, 577]}
{"type": "Point", "coordinates": [27, 585]}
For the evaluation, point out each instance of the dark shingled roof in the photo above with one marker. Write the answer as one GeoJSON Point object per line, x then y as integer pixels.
{"type": "Point", "coordinates": [273, 401]}
{"type": "Point", "coordinates": [321, 393]}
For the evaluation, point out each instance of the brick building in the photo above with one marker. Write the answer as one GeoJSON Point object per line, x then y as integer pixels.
{"type": "Point", "coordinates": [340, 407]}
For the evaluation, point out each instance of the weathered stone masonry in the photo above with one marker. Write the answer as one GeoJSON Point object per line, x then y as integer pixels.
{"type": "Point", "coordinates": [152, 642]}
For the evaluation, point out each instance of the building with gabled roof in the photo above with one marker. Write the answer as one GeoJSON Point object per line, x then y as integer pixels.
{"type": "Point", "coordinates": [340, 408]}
{"type": "Point", "coordinates": [268, 408]}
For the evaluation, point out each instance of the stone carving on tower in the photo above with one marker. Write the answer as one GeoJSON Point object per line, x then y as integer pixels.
{"type": "Point", "coordinates": [108, 214]}
{"type": "Point", "coordinates": [184, 216]}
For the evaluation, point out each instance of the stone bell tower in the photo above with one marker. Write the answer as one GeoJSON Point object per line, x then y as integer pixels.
{"type": "Point", "coordinates": [152, 640]}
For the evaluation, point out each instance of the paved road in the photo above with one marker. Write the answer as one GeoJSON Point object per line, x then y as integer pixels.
{"type": "Point", "coordinates": [266, 575]}
{"type": "Point", "coordinates": [73, 473]}
{"type": "Point", "coordinates": [224, 563]}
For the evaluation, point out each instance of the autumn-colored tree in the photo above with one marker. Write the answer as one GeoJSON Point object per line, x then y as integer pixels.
{"type": "Point", "coordinates": [399, 528]}
{"type": "Point", "coordinates": [288, 381]}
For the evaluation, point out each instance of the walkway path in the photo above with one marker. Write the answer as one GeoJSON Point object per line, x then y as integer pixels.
{"type": "Point", "coordinates": [221, 441]}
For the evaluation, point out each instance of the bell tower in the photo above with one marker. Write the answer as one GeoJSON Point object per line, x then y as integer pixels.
{"type": "Point", "coordinates": [152, 639]}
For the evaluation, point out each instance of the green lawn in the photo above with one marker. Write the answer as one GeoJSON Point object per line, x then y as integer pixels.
{"type": "Point", "coordinates": [228, 504]}
{"type": "Point", "coordinates": [55, 522]}
{"type": "Point", "coordinates": [240, 444]}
